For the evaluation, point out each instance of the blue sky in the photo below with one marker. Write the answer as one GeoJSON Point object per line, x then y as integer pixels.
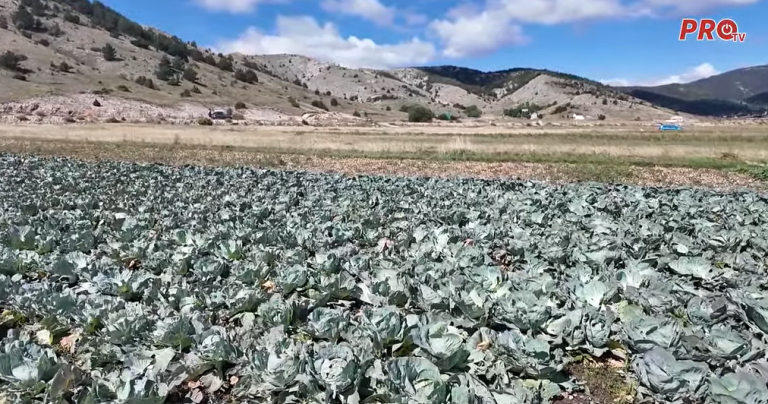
{"type": "Point", "coordinates": [617, 41]}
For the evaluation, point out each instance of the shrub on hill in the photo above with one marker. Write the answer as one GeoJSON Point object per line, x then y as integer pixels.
{"type": "Point", "coordinates": [11, 60]}
{"type": "Point", "coordinates": [190, 75]}
{"type": "Point", "coordinates": [246, 76]}
{"type": "Point", "coordinates": [473, 111]}
{"type": "Point", "coordinates": [420, 113]}
{"type": "Point", "coordinates": [319, 104]}
{"type": "Point", "coordinates": [109, 53]}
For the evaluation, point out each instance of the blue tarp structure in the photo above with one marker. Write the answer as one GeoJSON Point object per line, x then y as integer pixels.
{"type": "Point", "coordinates": [669, 127]}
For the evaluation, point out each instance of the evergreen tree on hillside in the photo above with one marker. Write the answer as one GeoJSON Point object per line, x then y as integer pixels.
{"type": "Point", "coordinates": [22, 19]}
{"type": "Point", "coordinates": [246, 76]}
{"type": "Point", "coordinates": [209, 60]}
{"type": "Point", "coordinates": [10, 60]}
{"type": "Point", "coordinates": [190, 75]}
{"type": "Point", "coordinates": [164, 70]}
{"type": "Point", "coordinates": [225, 63]}
{"type": "Point", "coordinates": [178, 64]}
{"type": "Point", "coordinates": [36, 7]}
{"type": "Point", "coordinates": [109, 53]}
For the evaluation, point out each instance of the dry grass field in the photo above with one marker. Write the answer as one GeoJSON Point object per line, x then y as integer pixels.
{"type": "Point", "coordinates": [723, 157]}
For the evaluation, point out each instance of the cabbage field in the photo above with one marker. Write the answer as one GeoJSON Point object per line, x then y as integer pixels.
{"type": "Point", "coordinates": [146, 284]}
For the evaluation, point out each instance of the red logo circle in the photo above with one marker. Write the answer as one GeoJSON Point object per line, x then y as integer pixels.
{"type": "Point", "coordinates": [727, 29]}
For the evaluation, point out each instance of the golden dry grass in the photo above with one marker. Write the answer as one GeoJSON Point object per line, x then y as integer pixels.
{"type": "Point", "coordinates": [644, 146]}
{"type": "Point", "coordinates": [364, 152]}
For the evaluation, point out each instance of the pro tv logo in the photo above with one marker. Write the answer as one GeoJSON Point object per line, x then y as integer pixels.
{"type": "Point", "coordinates": [707, 29]}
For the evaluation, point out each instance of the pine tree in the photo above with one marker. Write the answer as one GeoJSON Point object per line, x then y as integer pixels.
{"type": "Point", "coordinates": [190, 75]}
{"type": "Point", "coordinates": [164, 70]}
{"type": "Point", "coordinates": [109, 52]}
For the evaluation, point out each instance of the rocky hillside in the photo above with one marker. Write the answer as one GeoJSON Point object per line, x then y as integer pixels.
{"type": "Point", "coordinates": [65, 47]}
{"type": "Point", "coordinates": [504, 92]}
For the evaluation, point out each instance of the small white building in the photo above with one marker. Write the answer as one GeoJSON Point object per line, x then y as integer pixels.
{"type": "Point", "coordinates": [534, 116]}
{"type": "Point", "coordinates": [577, 117]}
{"type": "Point", "coordinates": [675, 119]}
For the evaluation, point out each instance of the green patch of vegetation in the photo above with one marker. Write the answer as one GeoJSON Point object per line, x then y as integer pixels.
{"type": "Point", "coordinates": [524, 110]}
{"type": "Point", "coordinates": [24, 17]}
{"type": "Point", "coordinates": [319, 104]}
{"type": "Point", "coordinates": [190, 74]}
{"type": "Point", "coordinates": [145, 82]}
{"type": "Point", "coordinates": [246, 76]}
{"type": "Point", "coordinates": [758, 172]}
{"type": "Point", "coordinates": [389, 75]}
{"type": "Point", "coordinates": [419, 113]}
{"type": "Point", "coordinates": [109, 53]}
{"type": "Point", "coordinates": [62, 67]}
{"type": "Point", "coordinates": [473, 111]}
{"type": "Point", "coordinates": [12, 61]}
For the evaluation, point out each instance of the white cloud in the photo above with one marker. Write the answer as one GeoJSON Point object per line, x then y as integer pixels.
{"type": "Point", "coordinates": [559, 11]}
{"type": "Point", "coordinates": [473, 29]}
{"type": "Point", "coordinates": [305, 36]}
{"type": "Point", "coordinates": [415, 19]}
{"type": "Point", "coordinates": [233, 6]}
{"type": "Point", "coordinates": [372, 10]}
{"type": "Point", "coordinates": [693, 6]}
{"type": "Point", "coordinates": [699, 72]}
{"type": "Point", "coordinates": [477, 35]}
{"type": "Point", "coordinates": [469, 31]}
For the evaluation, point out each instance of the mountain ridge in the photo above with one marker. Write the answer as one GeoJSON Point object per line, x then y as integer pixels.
{"type": "Point", "coordinates": [733, 92]}
{"type": "Point", "coordinates": [63, 47]}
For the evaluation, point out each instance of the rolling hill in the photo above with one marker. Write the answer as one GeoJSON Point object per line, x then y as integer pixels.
{"type": "Point", "coordinates": [740, 91]}
{"type": "Point", "coordinates": [68, 48]}
{"type": "Point", "coordinates": [758, 99]}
